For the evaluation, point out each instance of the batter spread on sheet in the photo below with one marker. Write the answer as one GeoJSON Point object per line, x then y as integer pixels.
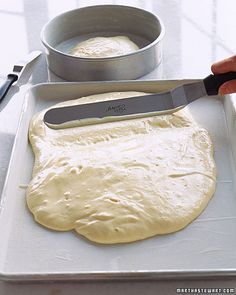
{"type": "Point", "coordinates": [100, 47]}
{"type": "Point", "coordinates": [121, 181]}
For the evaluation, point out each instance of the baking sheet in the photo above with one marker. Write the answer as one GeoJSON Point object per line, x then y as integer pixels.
{"type": "Point", "coordinates": [205, 248]}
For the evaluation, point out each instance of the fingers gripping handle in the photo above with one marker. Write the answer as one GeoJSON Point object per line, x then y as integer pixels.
{"type": "Point", "coordinates": [11, 78]}
{"type": "Point", "coordinates": [213, 82]}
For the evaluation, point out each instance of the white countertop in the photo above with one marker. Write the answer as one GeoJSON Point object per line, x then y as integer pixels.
{"type": "Point", "coordinates": [197, 34]}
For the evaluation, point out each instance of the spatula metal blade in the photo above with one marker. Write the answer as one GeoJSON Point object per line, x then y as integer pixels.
{"type": "Point", "coordinates": [120, 109]}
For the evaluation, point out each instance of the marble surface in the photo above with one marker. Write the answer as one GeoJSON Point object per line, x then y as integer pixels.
{"type": "Point", "coordinates": [197, 34]}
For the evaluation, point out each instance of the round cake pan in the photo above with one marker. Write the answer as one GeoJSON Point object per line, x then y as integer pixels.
{"type": "Point", "coordinates": [65, 31]}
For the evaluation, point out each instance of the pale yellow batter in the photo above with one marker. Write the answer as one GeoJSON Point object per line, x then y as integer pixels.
{"type": "Point", "coordinates": [121, 181]}
{"type": "Point", "coordinates": [100, 47]}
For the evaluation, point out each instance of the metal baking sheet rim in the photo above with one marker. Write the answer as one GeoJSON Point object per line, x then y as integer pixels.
{"type": "Point", "coordinates": [144, 275]}
{"type": "Point", "coordinates": [111, 275]}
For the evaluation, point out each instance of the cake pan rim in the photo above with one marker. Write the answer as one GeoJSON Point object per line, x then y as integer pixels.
{"type": "Point", "coordinates": [88, 59]}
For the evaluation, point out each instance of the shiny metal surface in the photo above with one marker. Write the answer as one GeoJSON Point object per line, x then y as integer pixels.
{"type": "Point", "coordinates": [124, 109]}
{"type": "Point", "coordinates": [22, 66]}
{"type": "Point", "coordinates": [143, 28]}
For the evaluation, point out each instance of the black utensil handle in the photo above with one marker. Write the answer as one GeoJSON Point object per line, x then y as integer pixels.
{"type": "Point", "coordinates": [213, 82]}
{"type": "Point", "coordinates": [11, 78]}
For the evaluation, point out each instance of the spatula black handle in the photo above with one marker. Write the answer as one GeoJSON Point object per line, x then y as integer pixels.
{"type": "Point", "coordinates": [213, 82]}
{"type": "Point", "coordinates": [11, 78]}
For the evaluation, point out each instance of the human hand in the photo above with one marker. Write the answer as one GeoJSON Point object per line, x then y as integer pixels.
{"type": "Point", "coordinates": [224, 66]}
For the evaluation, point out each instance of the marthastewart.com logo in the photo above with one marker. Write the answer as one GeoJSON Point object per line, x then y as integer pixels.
{"type": "Point", "coordinates": [116, 109]}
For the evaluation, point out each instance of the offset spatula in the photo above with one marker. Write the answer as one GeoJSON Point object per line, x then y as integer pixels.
{"type": "Point", "coordinates": [113, 110]}
{"type": "Point", "coordinates": [17, 73]}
